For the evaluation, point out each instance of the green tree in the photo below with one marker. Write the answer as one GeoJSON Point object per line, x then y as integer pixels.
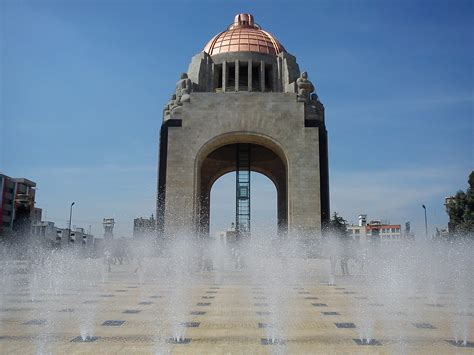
{"type": "Point", "coordinates": [337, 226]}
{"type": "Point", "coordinates": [460, 210]}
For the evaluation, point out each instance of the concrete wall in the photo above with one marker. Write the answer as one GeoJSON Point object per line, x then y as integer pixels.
{"type": "Point", "coordinates": [210, 120]}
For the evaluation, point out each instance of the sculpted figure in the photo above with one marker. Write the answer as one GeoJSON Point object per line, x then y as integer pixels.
{"type": "Point", "coordinates": [169, 106]}
{"type": "Point", "coordinates": [183, 89]}
{"type": "Point", "coordinates": [305, 87]}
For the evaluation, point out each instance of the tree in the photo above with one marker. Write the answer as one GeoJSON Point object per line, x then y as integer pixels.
{"type": "Point", "coordinates": [460, 209]}
{"type": "Point", "coordinates": [337, 226]}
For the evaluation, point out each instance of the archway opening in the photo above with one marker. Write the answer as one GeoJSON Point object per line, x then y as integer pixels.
{"type": "Point", "coordinates": [263, 205]}
{"type": "Point", "coordinates": [267, 169]}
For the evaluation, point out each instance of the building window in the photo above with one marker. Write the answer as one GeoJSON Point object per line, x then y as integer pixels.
{"type": "Point", "coordinates": [268, 77]}
{"type": "Point", "coordinates": [230, 77]}
{"type": "Point", "coordinates": [218, 77]}
{"type": "Point", "coordinates": [256, 77]}
{"type": "Point", "coordinates": [243, 76]}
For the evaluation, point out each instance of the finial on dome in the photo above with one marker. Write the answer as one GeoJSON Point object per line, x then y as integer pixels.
{"type": "Point", "coordinates": [243, 20]}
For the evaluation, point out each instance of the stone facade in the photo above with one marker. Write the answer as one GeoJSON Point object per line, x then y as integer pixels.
{"type": "Point", "coordinates": [243, 97]}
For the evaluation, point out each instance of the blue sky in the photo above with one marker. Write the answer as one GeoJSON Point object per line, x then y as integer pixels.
{"type": "Point", "coordinates": [83, 84]}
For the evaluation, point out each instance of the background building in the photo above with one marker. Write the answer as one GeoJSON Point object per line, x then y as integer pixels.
{"type": "Point", "coordinates": [144, 226]}
{"type": "Point", "coordinates": [227, 236]}
{"type": "Point", "coordinates": [48, 234]}
{"type": "Point", "coordinates": [17, 206]}
{"type": "Point", "coordinates": [109, 224]}
{"type": "Point", "coordinates": [377, 230]}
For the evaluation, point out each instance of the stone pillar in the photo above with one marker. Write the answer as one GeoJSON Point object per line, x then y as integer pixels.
{"type": "Point", "coordinates": [279, 75]}
{"type": "Point", "coordinates": [212, 79]}
{"type": "Point", "coordinates": [262, 76]}
{"type": "Point", "coordinates": [224, 76]}
{"type": "Point", "coordinates": [274, 78]}
{"type": "Point", "coordinates": [237, 75]}
{"type": "Point", "coordinates": [249, 70]}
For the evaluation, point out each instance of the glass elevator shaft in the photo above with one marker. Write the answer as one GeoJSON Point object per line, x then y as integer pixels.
{"type": "Point", "coordinates": [242, 198]}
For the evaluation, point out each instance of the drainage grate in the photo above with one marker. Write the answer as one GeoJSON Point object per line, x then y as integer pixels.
{"type": "Point", "coordinates": [145, 303]}
{"type": "Point", "coordinates": [132, 311]}
{"type": "Point", "coordinates": [214, 288]}
{"type": "Point", "coordinates": [155, 296]}
{"type": "Point", "coordinates": [191, 324]}
{"type": "Point", "coordinates": [461, 344]}
{"type": "Point", "coordinates": [345, 325]}
{"type": "Point", "coordinates": [179, 340]}
{"type": "Point", "coordinates": [319, 304]}
{"type": "Point", "coordinates": [211, 291]}
{"type": "Point", "coordinates": [304, 293]}
{"type": "Point", "coordinates": [197, 313]}
{"type": "Point", "coordinates": [464, 314]}
{"type": "Point", "coordinates": [67, 310]}
{"type": "Point", "coordinates": [260, 298]}
{"type": "Point", "coordinates": [16, 309]}
{"type": "Point", "coordinates": [208, 297]}
{"type": "Point", "coordinates": [349, 292]}
{"type": "Point", "coordinates": [203, 304]}
{"type": "Point", "coordinates": [400, 313]}
{"type": "Point", "coordinates": [434, 304]}
{"type": "Point", "coordinates": [90, 302]}
{"type": "Point", "coordinates": [132, 286]}
{"type": "Point", "coordinates": [264, 325]}
{"type": "Point", "coordinates": [87, 339]}
{"type": "Point", "coordinates": [331, 313]}
{"type": "Point", "coordinates": [311, 298]}
{"type": "Point", "coordinates": [261, 304]}
{"type": "Point", "coordinates": [121, 290]}
{"type": "Point", "coordinates": [107, 296]}
{"type": "Point", "coordinates": [376, 304]}
{"type": "Point", "coordinates": [113, 323]}
{"type": "Point", "coordinates": [339, 288]}
{"type": "Point", "coordinates": [35, 322]}
{"type": "Point", "coordinates": [424, 325]}
{"type": "Point", "coordinates": [12, 337]}
{"type": "Point", "coordinates": [367, 342]}
{"type": "Point", "coordinates": [263, 313]}
{"type": "Point", "coordinates": [265, 341]}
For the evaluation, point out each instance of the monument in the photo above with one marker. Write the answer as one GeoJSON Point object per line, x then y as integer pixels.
{"type": "Point", "coordinates": [243, 106]}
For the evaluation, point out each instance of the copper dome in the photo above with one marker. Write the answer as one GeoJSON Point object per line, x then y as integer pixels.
{"type": "Point", "coordinates": [244, 35]}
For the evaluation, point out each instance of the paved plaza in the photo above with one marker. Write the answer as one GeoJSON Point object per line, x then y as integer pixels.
{"type": "Point", "coordinates": [225, 313]}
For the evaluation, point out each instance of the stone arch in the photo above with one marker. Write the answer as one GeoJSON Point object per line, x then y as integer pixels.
{"type": "Point", "coordinates": [217, 157]}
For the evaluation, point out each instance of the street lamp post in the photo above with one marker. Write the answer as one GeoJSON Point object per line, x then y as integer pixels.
{"type": "Point", "coordinates": [69, 229]}
{"type": "Point", "coordinates": [426, 223]}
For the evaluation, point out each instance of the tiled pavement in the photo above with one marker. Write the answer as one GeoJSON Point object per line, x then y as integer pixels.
{"type": "Point", "coordinates": [232, 316]}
